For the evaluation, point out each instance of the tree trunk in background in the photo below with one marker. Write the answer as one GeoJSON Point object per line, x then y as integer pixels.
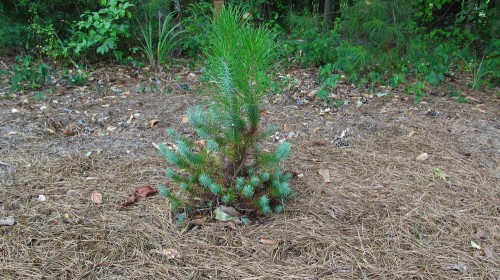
{"type": "Point", "coordinates": [495, 29]}
{"type": "Point", "coordinates": [327, 14]}
{"type": "Point", "coordinates": [178, 11]}
{"type": "Point", "coordinates": [470, 10]}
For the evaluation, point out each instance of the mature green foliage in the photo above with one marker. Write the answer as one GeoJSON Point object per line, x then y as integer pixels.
{"type": "Point", "coordinates": [160, 45]}
{"type": "Point", "coordinates": [196, 24]}
{"type": "Point", "coordinates": [229, 166]}
{"type": "Point", "coordinates": [28, 74]}
{"type": "Point", "coordinates": [102, 30]}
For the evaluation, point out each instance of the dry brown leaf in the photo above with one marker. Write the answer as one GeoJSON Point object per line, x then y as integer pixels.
{"type": "Point", "coordinates": [144, 192]}
{"type": "Point", "coordinates": [129, 200]}
{"type": "Point", "coordinates": [200, 221]}
{"type": "Point", "coordinates": [318, 143]}
{"type": "Point", "coordinates": [230, 210]}
{"type": "Point", "coordinates": [266, 241]}
{"type": "Point", "coordinates": [422, 157]}
{"type": "Point", "coordinates": [286, 127]}
{"type": "Point", "coordinates": [69, 132]}
{"type": "Point", "coordinates": [96, 198]}
{"type": "Point", "coordinates": [325, 173]}
{"type": "Point", "coordinates": [185, 119]}
{"type": "Point", "coordinates": [312, 93]}
{"type": "Point", "coordinates": [153, 122]}
{"type": "Point", "coordinates": [171, 254]}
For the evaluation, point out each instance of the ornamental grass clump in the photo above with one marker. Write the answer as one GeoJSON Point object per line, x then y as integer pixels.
{"type": "Point", "coordinates": [225, 164]}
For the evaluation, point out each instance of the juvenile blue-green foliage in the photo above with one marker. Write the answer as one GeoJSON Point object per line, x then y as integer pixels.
{"type": "Point", "coordinates": [215, 189]}
{"type": "Point", "coordinates": [232, 166]}
{"type": "Point", "coordinates": [170, 155]}
{"type": "Point", "coordinates": [278, 208]}
{"type": "Point", "coordinates": [283, 151]}
{"type": "Point", "coordinates": [254, 181]}
{"type": "Point", "coordinates": [205, 180]}
{"type": "Point", "coordinates": [212, 146]}
{"type": "Point", "coordinates": [248, 191]}
{"type": "Point", "coordinates": [271, 130]}
{"type": "Point", "coordinates": [263, 204]}
{"type": "Point", "coordinates": [240, 181]}
{"type": "Point", "coordinates": [228, 198]}
{"type": "Point", "coordinates": [284, 190]}
{"type": "Point", "coordinates": [173, 134]}
{"type": "Point", "coordinates": [169, 173]}
{"type": "Point", "coordinates": [265, 176]}
{"type": "Point", "coordinates": [287, 177]}
{"type": "Point", "coordinates": [184, 186]}
{"type": "Point", "coordinates": [163, 191]}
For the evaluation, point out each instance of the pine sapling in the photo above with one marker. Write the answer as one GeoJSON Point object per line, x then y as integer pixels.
{"type": "Point", "coordinates": [227, 165]}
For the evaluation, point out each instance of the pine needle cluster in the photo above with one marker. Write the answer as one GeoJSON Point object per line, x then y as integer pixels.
{"type": "Point", "coordinates": [227, 165]}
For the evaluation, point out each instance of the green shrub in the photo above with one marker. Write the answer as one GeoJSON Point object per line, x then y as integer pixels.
{"type": "Point", "coordinates": [103, 30]}
{"type": "Point", "coordinates": [228, 165]}
{"type": "Point", "coordinates": [196, 25]}
{"type": "Point", "coordinates": [307, 42]}
{"type": "Point", "coordinates": [29, 75]}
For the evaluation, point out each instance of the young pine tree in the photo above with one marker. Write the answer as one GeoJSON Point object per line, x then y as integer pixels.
{"type": "Point", "coordinates": [228, 166]}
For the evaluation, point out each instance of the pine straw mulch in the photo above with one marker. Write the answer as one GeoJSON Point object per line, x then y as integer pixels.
{"type": "Point", "coordinates": [384, 215]}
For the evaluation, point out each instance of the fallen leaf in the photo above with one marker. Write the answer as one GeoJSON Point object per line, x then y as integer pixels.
{"type": "Point", "coordinates": [96, 198]}
{"type": "Point", "coordinates": [69, 132]}
{"type": "Point", "coordinates": [223, 216]}
{"type": "Point", "coordinates": [129, 200]}
{"type": "Point", "coordinates": [411, 133]}
{"type": "Point", "coordinates": [153, 122]}
{"type": "Point", "coordinates": [318, 143]}
{"type": "Point", "coordinates": [200, 221]}
{"type": "Point", "coordinates": [286, 128]}
{"type": "Point", "coordinates": [422, 157]}
{"type": "Point", "coordinates": [457, 267]}
{"type": "Point", "coordinates": [266, 241]}
{"type": "Point", "coordinates": [474, 245]}
{"type": "Point", "coordinates": [439, 173]}
{"type": "Point", "coordinates": [9, 221]}
{"type": "Point", "coordinates": [171, 254]}
{"type": "Point", "coordinates": [145, 192]}
{"type": "Point", "coordinates": [185, 119]}
{"type": "Point", "coordinates": [312, 93]}
{"type": "Point", "coordinates": [230, 210]}
{"type": "Point", "coordinates": [359, 103]}
{"type": "Point", "coordinates": [14, 110]}
{"type": "Point", "coordinates": [326, 175]}
{"type": "Point", "coordinates": [129, 121]}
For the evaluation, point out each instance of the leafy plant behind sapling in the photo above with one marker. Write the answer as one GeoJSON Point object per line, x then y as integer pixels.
{"type": "Point", "coordinates": [227, 165]}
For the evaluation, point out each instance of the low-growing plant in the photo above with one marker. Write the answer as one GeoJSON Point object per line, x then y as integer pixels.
{"type": "Point", "coordinates": [227, 165]}
{"type": "Point", "coordinates": [158, 46]}
{"type": "Point", "coordinates": [29, 75]}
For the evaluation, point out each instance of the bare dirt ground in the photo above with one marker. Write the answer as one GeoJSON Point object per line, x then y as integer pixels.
{"type": "Point", "coordinates": [382, 215]}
